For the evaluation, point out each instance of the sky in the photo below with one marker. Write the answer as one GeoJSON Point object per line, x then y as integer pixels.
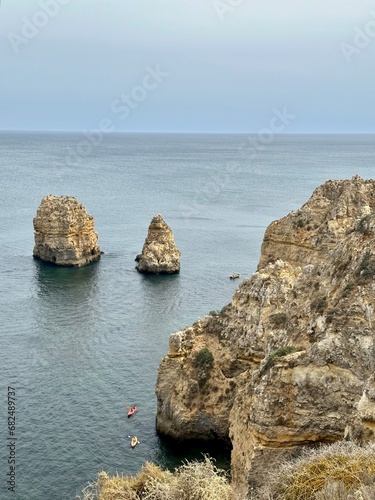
{"type": "Point", "coordinates": [188, 65]}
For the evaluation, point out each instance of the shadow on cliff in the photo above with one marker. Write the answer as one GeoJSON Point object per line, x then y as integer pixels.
{"type": "Point", "coordinates": [172, 453]}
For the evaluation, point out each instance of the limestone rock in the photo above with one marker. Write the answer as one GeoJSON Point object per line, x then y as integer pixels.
{"type": "Point", "coordinates": [294, 352]}
{"type": "Point", "coordinates": [159, 254]}
{"type": "Point", "coordinates": [64, 232]}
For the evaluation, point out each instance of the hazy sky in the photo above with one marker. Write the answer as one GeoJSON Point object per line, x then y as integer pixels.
{"type": "Point", "coordinates": [187, 65]}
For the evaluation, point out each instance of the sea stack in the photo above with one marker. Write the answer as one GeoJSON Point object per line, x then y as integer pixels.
{"type": "Point", "coordinates": [64, 233]}
{"type": "Point", "coordinates": [159, 254]}
{"type": "Point", "coordinates": [290, 362]}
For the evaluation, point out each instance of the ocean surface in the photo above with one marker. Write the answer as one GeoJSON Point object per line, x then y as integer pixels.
{"type": "Point", "coordinates": [78, 345]}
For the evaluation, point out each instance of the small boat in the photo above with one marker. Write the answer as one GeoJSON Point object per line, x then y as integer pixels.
{"type": "Point", "coordinates": [134, 441]}
{"type": "Point", "coordinates": [132, 410]}
{"type": "Point", "coordinates": [234, 276]}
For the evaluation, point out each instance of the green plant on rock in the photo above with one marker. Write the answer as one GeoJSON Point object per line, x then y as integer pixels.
{"type": "Point", "coordinates": [278, 353]}
{"type": "Point", "coordinates": [203, 362]}
{"type": "Point", "coordinates": [283, 351]}
{"type": "Point", "coordinates": [204, 359]}
{"type": "Point", "coordinates": [300, 223]}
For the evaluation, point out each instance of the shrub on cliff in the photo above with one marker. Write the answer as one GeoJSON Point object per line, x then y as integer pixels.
{"type": "Point", "coordinates": [204, 359]}
{"type": "Point", "coordinates": [342, 471]}
{"type": "Point", "coordinates": [279, 353]}
{"type": "Point", "coordinates": [191, 481]}
{"type": "Point", "coordinates": [203, 363]}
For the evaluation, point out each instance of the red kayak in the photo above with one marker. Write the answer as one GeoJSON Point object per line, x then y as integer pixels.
{"type": "Point", "coordinates": [132, 410]}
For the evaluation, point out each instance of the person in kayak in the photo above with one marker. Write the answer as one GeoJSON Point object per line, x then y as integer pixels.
{"type": "Point", "coordinates": [132, 410]}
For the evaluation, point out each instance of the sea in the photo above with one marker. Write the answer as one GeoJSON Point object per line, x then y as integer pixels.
{"type": "Point", "coordinates": [77, 346]}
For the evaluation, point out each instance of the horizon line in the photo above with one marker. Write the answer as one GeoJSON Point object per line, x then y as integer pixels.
{"type": "Point", "coordinates": [180, 132]}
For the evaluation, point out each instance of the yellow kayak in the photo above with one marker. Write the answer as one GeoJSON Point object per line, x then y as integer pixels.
{"type": "Point", "coordinates": [134, 441]}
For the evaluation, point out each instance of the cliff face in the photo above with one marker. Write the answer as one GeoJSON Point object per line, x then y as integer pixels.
{"type": "Point", "coordinates": [64, 232]}
{"type": "Point", "coordinates": [294, 352]}
{"type": "Point", "coordinates": [159, 254]}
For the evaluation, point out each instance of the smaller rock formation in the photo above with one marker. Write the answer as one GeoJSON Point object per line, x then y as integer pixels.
{"type": "Point", "coordinates": [159, 254]}
{"type": "Point", "coordinates": [64, 232]}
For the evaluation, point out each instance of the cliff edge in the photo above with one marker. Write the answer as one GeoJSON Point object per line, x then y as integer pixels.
{"type": "Point", "coordinates": [290, 361]}
{"type": "Point", "coordinates": [64, 232]}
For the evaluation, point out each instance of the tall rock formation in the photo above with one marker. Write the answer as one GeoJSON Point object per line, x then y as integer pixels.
{"type": "Point", "coordinates": [159, 254]}
{"type": "Point", "coordinates": [293, 354]}
{"type": "Point", "coordinates": [64, 232]}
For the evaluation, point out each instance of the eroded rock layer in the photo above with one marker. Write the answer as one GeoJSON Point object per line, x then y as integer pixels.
{"type": "Point", "coordinates": [159, 254]}
{"type": "Point", "coordinates": [293, 354]}
{"type": "Point", "coordinates": [64, 232]}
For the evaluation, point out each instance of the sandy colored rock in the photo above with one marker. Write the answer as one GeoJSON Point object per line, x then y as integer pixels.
{"type": "Point", "coordinates": [159, 254]}
{"type": "Point", "coordinates": [294, 352]}
{"type": "Point", "coordinates": [64, 232]}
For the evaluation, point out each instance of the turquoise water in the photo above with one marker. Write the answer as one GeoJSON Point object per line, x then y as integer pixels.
{"type": "Point", "coordinates": [79, 345]}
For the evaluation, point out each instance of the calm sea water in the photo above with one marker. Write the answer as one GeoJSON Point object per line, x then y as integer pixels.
{"type": "Point", "coordinates": [80, 344]}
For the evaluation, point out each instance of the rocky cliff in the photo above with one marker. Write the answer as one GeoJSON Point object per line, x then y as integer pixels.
{"type": "Point", "coordinates": [64, 232]}
{"type": "Point", "coordinates": [159, 254]}
{"type": "Point", "coordinates": [290, 361]}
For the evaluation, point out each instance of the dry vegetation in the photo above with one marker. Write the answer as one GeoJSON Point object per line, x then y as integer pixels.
{"type": "Point", "coordinates": [342, 471]}
{"type": "Point", "coordinates": [191, 481]}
